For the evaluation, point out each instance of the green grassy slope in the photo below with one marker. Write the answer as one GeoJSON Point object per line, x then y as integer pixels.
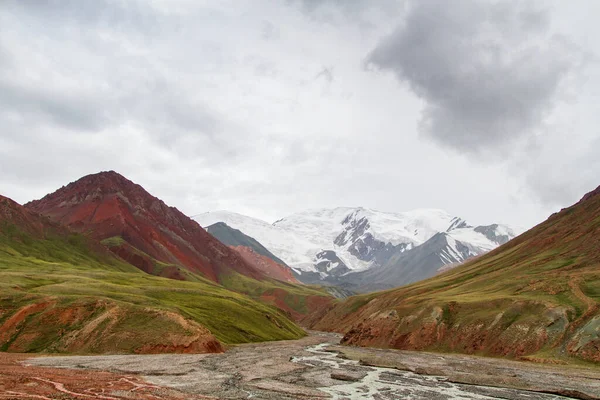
{"type": "Point", "coordinates": [536, 296]}
{"type": "Point", "coordinates": [295, 300]}
{"type": "Point", "coordinates": [298, 301]}
{"type": "Point", "coordinates": [71, 277]}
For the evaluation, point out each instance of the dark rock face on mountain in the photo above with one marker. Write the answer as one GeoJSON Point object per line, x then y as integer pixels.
{"type": "Point", "coordinates": [361, 243]}
{"type": "Point", "coordinates": [253, 252]}
{"type": "Point", "coordinates": [329, 268]}
{"type": "Point", "coordinates": [234, 237]}
{"type": "Point", "coordinates": [329, 262]}
{"type": "Point", "coordinates": [491, 232]}
{"type": "Point", "coordinates": [412, 265]}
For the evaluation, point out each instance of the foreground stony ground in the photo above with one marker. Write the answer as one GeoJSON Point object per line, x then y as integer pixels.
{"type": "Point", "coordinates": [310, 368]}
{"type": "Point", "coordinates": [20, 381]}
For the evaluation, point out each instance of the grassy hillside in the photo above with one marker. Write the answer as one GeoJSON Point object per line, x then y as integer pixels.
{"type": "Point", "coordinates": [64, 293]}
{"type": "Point", "coordinates": [298, 301]}
{"type": "Point", "coordinates": [536, 296]}
{"type": "Point", "coordinates": [295, 300]}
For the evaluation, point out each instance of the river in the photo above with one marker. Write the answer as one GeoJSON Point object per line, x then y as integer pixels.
{"type": "Point", "coordinates": [367, 382]}
{"type": "Point", "coordinates": [314, 368]}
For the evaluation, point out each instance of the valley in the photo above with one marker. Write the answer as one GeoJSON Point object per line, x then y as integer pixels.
{"type": "Point", "coordinates": [109, 278]}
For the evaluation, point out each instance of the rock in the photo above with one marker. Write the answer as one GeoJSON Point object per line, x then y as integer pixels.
{"type": "Point", "coordinates": [350, 376]}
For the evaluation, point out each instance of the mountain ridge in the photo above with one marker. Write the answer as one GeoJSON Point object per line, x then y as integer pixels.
{"type": "Point", "coordinates": [331, 246]}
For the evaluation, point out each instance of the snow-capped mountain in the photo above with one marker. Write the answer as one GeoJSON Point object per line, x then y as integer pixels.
{"type": "Point", "coordinates": [338, 245]}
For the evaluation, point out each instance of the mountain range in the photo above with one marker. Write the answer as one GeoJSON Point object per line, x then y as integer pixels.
{"type": "Point", "coordinates": [363, 249]}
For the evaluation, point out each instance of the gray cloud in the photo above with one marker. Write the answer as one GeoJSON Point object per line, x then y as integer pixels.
{"type": "Point", "coordinates": [488, 72]}
{"type": "Point", "coordinates": [562, 168]}
{"type": "Point", "coordinates": [92, 68]}
{"type": "Point", "coordinates": [326, 73]}
{"type": "Point", "coordinates": [210, 106]}
{"type": "Point", "coordinates": [269, 31]}
{"type": "Point", "coordinates": [348, 6]}
{"type": "Point", "coordinates": [78, 112]}
{"type": "Point", "coordinates": [366, 15]}
{"type": "Point", "coordinates": [132, 16]}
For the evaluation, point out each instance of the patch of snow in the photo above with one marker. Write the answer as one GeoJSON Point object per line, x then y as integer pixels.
{"type": "Point", "coordinates": [475, 239]}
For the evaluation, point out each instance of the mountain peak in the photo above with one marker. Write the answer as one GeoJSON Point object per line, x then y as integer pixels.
{"type": "Point", "coordinates": [7, 202]}
{"type": "Point", "coordinates": [113, 207]}
{"type": "Point", "coordinates": [98, 188]}
{"type": "Point", "coordinates": [103, 178]}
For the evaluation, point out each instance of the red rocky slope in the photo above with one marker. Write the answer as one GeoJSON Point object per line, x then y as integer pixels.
{"type": "Point", "coordinates": [12, 213]}
{"type": "Point", "coordinates": [266, 265]}
{"type": "Point", "coordinates": [107, 205]}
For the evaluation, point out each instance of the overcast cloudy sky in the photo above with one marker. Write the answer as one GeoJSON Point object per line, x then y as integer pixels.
{"type": "Point", "coordinates": [488, 109]}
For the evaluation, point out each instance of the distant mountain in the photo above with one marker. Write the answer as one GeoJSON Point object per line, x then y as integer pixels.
{"type": "Point", "coordinates": [234, 237]}
{"type": "Point", "coordinates": [366, 249]}
{"type": "Point", "coordinates": [442, 251]}
{"type": "Point", "coordinates": [253, 252]}
{"type": "Point", "coordinates": [537, 297]}
{"type": "Point", "coordinates": [294, 250]}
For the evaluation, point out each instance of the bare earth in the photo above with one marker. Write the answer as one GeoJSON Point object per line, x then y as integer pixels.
{"type": "Point", "coordinates": [310, 368]}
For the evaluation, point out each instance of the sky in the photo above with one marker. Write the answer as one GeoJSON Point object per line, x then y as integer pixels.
{"type": "Point", "coordinates": [486, 109]}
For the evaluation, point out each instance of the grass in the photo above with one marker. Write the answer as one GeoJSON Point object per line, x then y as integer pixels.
{"type": "Point", "coordinates": [113, 241]}
{"type": "Point", "coordinates": [291, 297]}
{"type": "Point", "coordinates": [286, 296]}
{"type": "Point", "coordinates": [67, 270]}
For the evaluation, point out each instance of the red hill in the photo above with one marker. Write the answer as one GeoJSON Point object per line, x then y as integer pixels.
{"type": "Point", "coordinates": [140, 228]}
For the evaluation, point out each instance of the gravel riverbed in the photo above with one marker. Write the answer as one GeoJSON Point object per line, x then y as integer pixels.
{"type": "Point", "coordinates": [317, 368]}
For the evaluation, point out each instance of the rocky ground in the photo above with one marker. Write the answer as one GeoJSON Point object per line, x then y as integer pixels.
{"type": "Point", "coordinates": [21, 381]}
{"type": "Point", "coordinates": [310, 368]}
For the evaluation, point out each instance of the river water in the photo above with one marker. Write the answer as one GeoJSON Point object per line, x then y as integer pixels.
{"type": "Point", "coordinates": [365, 382]}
